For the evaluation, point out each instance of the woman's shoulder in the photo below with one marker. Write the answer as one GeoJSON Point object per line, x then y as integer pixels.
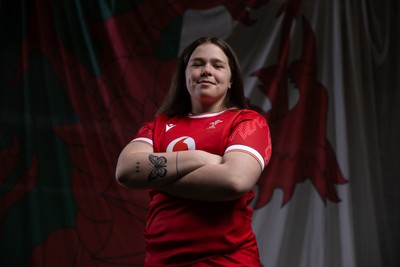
{"type": "Point", "coordinates": [249, 113]}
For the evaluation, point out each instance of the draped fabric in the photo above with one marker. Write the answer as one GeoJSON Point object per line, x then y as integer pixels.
{"type": "Point", "coordinates": [79, 77]}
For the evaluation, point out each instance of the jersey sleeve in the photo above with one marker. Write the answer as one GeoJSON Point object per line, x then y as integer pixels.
{"type": "Point", "coordinates": [145, 133]}
{"type": "Point", "coordinates": [251, 135]}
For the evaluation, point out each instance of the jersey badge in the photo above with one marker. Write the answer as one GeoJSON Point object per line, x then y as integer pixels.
{"type": "Point", "coordinates": [214, 124]}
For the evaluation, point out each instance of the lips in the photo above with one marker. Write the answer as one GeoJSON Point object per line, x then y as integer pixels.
{"type": "Point", "coordinates": [205, 82]}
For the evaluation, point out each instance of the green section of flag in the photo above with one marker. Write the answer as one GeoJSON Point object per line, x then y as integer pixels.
{"type": "Point", "coordinates": [30, 113]}
{"type": "Point", "coordinates": [168, 46]}
{"type": "Point", "coordinates": [71, 20]}
{"type": "Point", "coordinates": [102, 10]}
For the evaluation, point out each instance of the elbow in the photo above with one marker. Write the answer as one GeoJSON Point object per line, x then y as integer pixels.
{"type": "Point", "coordinates": [239, 187]}
{"type": "Point", "coordinates": [125, 178]}
{"type": "Point", "coordinates": [121, 176]}
{"type": "Point", "coordinates": [128, 174]}
{"type": "Point", "coordinates": [129, 179]}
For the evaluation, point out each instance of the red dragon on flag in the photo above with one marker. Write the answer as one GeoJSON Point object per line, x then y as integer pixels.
{"type": "Point", "coordinates": [301, 149]}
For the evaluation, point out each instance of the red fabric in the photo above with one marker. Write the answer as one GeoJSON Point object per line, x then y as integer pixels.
{"type": "Point", "coordinates": [182, 232]}
{"type": "Point", "coordinates": [247, 257]}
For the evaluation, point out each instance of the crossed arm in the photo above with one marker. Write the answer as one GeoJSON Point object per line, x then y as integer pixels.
{"type": "Point", "coordinates": [192, 174]}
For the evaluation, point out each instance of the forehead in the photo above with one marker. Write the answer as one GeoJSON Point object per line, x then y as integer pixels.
{"type": "Point", "coordinates": [209, 51]}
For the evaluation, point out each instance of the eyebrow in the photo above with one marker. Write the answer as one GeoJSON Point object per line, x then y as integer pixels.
{"type": "Point", "coordinates": [214, 60]}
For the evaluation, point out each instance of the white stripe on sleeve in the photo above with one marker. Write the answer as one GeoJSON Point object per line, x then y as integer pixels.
{"type": "Point", "coordinates": [248, 150]}
{"type": "Point", "coordinates": [143, 139]}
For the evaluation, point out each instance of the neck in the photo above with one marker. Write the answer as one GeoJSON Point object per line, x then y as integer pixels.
{"type": "Point", "coordinates": [202, 111]}
{"type": "Point", "coordinates": [213, 108]}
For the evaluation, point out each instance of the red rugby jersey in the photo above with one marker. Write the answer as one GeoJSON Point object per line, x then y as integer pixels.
{"type": "Point", "coordinates": [182, 232]}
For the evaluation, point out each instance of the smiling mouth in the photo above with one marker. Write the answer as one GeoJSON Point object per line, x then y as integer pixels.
{"type": "Point", "coordinates": [204, 82]}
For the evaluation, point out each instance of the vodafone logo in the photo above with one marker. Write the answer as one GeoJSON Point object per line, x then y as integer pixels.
{"type": "Point", "coordinates": [181, 143]}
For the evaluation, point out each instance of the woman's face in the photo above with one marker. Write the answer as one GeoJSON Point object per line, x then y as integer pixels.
{"type": "Point", "coordinates": [208, 78]}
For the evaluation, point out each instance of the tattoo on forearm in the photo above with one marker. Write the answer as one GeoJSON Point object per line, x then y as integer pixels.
{"type": "Point", "coordinates": [159, 167]}
{"type": "Point", "coordinates": [137, 167]}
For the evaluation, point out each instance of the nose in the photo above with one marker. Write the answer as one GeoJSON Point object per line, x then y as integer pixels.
{"type": "Point", "coordinates": [206, 70]}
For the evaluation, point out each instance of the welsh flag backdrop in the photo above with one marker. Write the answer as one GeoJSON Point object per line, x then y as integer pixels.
{"type": "Point", "coordinates": [79, 77]}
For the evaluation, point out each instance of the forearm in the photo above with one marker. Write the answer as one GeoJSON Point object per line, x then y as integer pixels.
{"type": "Point", "coordinates": [229, 180]}
{"type": "Point", "coordinates": [202, 184]}
{"type": "Point", "coordinates": [150, 170]}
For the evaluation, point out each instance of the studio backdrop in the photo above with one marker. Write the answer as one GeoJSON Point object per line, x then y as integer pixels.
{"type": "Point", "coordinates": [79, 77]}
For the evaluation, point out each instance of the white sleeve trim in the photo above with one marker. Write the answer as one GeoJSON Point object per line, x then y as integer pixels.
{"type": "Point", "coordinates": [144, 139]}
{"type": "Point", "coordinates": [248, 150]}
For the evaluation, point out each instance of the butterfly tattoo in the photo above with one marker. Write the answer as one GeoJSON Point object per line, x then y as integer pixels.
{"type": "Point", "coordinates": [159, 167]}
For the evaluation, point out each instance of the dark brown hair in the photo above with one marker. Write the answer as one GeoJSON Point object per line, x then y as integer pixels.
{"type": "Point", "coordinates": [177, 101]}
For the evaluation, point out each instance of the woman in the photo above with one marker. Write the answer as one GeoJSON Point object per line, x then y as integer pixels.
{"type": "Point", "coordinates": [200, 159]}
